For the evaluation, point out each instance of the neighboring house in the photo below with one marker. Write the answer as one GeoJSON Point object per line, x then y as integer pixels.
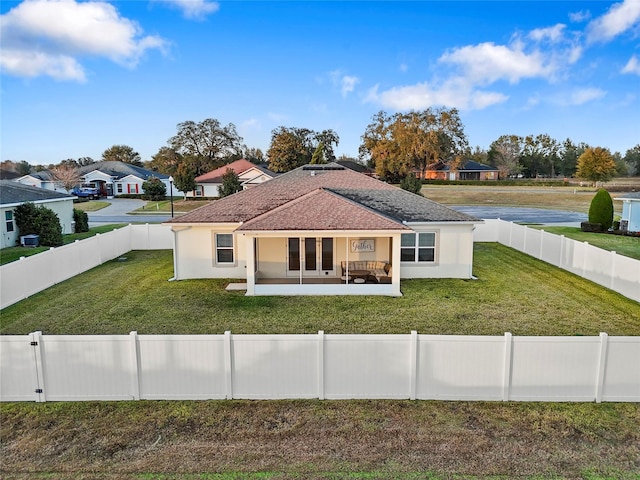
{"type": "Point", "coordinates": [13, 194]}
{"type": "Point", "coordinates": [630, 220]}
{"type": "Point", "coordinates": [250, 174]}
{"type": "Point", "coordinates": [119, 178]}
{"type": "Point", "coordinates": [43, 179]}
{"type": "Point", "coordinates": [323, 230]}
{"type": "Point", "coordinates": [469, 170]}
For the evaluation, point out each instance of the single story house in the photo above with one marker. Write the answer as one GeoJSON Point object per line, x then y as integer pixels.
{"type": "Point", "coordinates": [13, 194]}
{"type": "Point", "coordinates": [469, 170]}
{"type": "Point", "coordinates": [118, 178]}
{"type": "Point", "coordinates": [43, 179]}
{"type": "Point", "coordinates": [250, 174]}
{"type": "Point", "coordinates": [630, 219]}
{"type": "Point", "coordinates": [323, 230]}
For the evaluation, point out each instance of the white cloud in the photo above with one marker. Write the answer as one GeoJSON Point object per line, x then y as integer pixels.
{"type": "Point", "coordinates": [632, 66]}
{"type": "Point", "coordinates": [404, 67]}
{"type": "Point", "coordinates": [581, 16]}
{"type": "Point", "coordinates": [620, 18]}
{"type": "Point", "coordinates": [487, 63]}
{"type": "Point", "coordinates": [581, 96]}
{"type": "Point", "coordinates": [553, 34]}
{"type": "Point", "coordinates": [194, 9]}
{"type": "Point", "coordinates": [455, 93]}
{"type": "Point", "coordinates": [346, 83]}
{"type": "Point", "coordinates": [46, 37]}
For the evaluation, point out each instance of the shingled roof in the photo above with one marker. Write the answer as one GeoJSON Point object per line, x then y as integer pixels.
{"type": "Point", "coordinates": [120, 170]}
{"type": "Point", "coordinates": [12, 193]}
{"type": "Point", "coordinates": [239, 166]}
{"type": "Point", "coordinates": [335, 198]}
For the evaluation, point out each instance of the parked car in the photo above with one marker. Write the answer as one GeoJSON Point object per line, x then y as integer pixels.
{"type": "Point", "coordinates": [86, 192]}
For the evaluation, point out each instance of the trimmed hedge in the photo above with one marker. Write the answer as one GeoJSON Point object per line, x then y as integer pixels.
{"type": "Point", "coordinates": [601, 209]}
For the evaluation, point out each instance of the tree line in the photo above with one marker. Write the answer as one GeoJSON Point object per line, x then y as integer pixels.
{"type": "Point", "coordinates": [396, 146]}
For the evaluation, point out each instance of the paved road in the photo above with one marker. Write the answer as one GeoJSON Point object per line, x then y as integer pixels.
{"type": "Point", "coordinates": [118, 211]}
{"type": "Point", "coordinates": [524, 215]}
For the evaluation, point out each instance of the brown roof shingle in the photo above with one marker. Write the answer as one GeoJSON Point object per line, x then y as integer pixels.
{"type": "Point", "coordinates": [364, 193]}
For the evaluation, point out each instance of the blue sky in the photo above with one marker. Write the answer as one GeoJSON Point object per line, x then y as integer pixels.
{"type": "Point", "coordinates": [78, 77]}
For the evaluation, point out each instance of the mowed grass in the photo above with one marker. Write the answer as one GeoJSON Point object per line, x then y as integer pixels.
{"type": "Point", "coordinates": [11, 254]}
{"type": "Point", "coordinates": [514, 293]}
{"type": "Point", "coordinates": [622, 244]}
{"type": "Point", "coordinates": [300, 439]}
{"type": "Point", "coordinates": [556, 198]}
{"type": "Point", "coordinates": [309, 439]}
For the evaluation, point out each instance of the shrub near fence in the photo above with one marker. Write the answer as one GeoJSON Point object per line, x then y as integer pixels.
{"type": "Point", "coordinates": [42, 368]}
{"type": "Point", "coordinates": [616, 272]}
{"type": "Point", "coordinates": [33, 274]}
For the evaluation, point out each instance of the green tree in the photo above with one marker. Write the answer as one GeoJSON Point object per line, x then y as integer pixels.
{"type": "Point", "coordinates": [596, 165]}
{"type": "Point", "coordinates": [165, 161]}
{"type": "Point", "coordinates": [122, 153]}
{"type": "Point", "coordinates": [412, 184]}
{"type": "Point", "coordinates": [632, 159]}
{"type": "Point", "coordinates": [23, 167]}
{"type": "Point", "coordinates": [405, 142]}
{"type": "Point", "coordinates": [601, 209]}
{"type": "Point", "coordinates": [505, 153]}
{"type": "Point", "coordinates": [318, 155]}
{"type": "Point", "coordinates": [230, 183]}
{"type": "Point", "coordinates": [154, 188]}
{"type": "Point", "coordinates": [290, 148]}
{"type": "Point", "coordinates": [184, 178]}
{"type": "Point", "coordinates": [205, 145]}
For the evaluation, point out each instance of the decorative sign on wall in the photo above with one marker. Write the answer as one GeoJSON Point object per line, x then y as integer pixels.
{"type": "Point", "coordinates": [368, 245]}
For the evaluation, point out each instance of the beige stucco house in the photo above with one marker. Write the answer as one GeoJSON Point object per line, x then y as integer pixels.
{"type": "Point", "coordinates": [323, 230]}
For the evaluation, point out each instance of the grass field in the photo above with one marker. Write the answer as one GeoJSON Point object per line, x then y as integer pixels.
{"type": "Point", "coordinates": [624, 245]}
{"type": "Point", "coordinates": [309, 439]}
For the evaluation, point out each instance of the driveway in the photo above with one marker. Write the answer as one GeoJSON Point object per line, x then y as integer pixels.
{"type": "Point", "coordinates": [118, 212]}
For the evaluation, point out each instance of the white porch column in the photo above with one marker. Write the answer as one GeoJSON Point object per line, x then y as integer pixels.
{"type": "Point", "coordinates": [251, 264]}
{"type": "Point", "coordinates": [395, 264]}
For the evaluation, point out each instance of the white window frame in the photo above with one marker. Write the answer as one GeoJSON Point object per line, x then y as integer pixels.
{"type": "Point", "coordinates": [217, 248]}
{"type": "Point", "coordinates": [119, 188]}
{"type": "Point", "coordinates": [417, 247]}
{"type": "Point", "coordinates": [9, 221]}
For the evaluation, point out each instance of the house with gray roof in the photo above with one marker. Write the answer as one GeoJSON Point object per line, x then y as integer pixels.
{"type": "Point", "coordinates": [323, 230]}
{"type": "Point", "coordinates": [630, 219]}
{"type": "Point", "coordinates": [468, 170]}
{"type": "Point", "coordinates": [120, 178]}
{"type": "Point", "coordinates": [13, 194]}
{"type": "Point", "coordinates": [42, 179]}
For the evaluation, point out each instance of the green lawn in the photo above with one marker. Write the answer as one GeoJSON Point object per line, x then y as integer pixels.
{"type": "Point", "coordinates": [309, 439]}
{"type": "Point", "coordinates": [624, 245]}
{"type": "Point", "coordinates": [514, 293]}
{"type": "Point", "coordinates": [11, 254]}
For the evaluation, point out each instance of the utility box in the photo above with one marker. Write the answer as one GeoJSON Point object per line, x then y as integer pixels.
{"type": "Point", "coordinates": [30, 240]}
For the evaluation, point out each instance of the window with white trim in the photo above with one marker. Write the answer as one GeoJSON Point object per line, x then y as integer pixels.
{"type": "Point", "coordinates": [8, 219]}
{"type": "Point", "coordinates": [119, 188]}
{"type": "Point", "coordinates": [224, 249]}
{"type": "Point", "coordinates": [419, 247]}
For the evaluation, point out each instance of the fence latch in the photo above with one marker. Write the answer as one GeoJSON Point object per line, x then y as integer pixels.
{"type": "Point", "coordinates": [38, 390]}
{"type": "Point", "coordinates": [34, 344]}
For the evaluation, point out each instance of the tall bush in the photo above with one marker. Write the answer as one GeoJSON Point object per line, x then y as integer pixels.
{"type": "Point", "coordinates": [81, 220]}
{"type": "Point", "coordinates": [412, 184]}
{"type": "Point", "coordinates": [154, 188]}
{"type": "Point", "coordinates": [601, 209]}
{"type": "Point", "coordinates": [41, 221]}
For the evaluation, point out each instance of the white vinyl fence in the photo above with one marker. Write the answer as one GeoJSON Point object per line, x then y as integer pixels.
{"type": "Point", "coordinates": [33, 274]}
{"type": "Point", "coordinates": [616, 272]}
{"type": "Point", "coordinates": [43, 368]}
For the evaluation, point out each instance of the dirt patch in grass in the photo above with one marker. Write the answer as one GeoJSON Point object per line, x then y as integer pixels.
{"type": "Point", "coordinates": [302, 439]}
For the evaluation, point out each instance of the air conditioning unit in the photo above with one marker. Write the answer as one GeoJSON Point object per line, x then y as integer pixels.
{"type": "Point", "coordinates": [30, 240]}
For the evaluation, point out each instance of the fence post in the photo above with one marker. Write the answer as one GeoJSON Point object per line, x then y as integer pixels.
{"type": "Point", "coordinates": [562, 251]}
{"type": "Point", "coordinates": [99, 248]}
{"type": "Point", "coordinates": [602, 365]}
{"type": "Point", "coordinates": [511, 234]}
{"type": "Point", "coordinates": [584, 260]}
{"type": "Point", "coordinates": [38, 359]}
{"type": "Point", "coordinates": [541, 245]}
{"type": "Point", "coordinates": [135, 365]}
{"type": "Point", "coordinates": [508, 359]}
{"type": "Point", "coordinates": [228, 367]}
{"type": "Point", "coordinates": [614, 257]}
{"type": "Point", "coordinates": [413, 353]}
{"type": "Point", "coordinates": [321, 364]}
{"type": "Point", "coordinates": [524, 241]}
